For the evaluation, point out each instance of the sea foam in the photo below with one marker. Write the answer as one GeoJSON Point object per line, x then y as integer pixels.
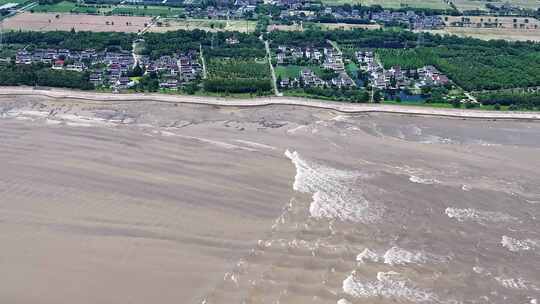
{"type": "Point", "coordinates": [390, 285]}
{"type": "Point", "coordinates": [469, 214]}
{"type": "Point", "coordinates": [516, 245]}
{"type": "Point", "coordinates": [399, 256]}
{"type": "Point", "coordinates": [334, 193]}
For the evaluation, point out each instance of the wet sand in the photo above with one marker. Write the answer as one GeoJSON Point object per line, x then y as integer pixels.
{"type": "Point", "coordinates": [152, 202]}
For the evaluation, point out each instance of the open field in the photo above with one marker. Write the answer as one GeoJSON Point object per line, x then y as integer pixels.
{"type": "Point", "coordinates": [204, 24]}
{"type": "Point", "coordinates": [464, 5]}
{"type": "Point", "coordinates": [65, 22]}
{"type": "Point", "coordinates": [125, 10]}
{"type": "Point", "coordinates": [493, 21]}
{"type": "Point", "coordinates": [293, 71]}
{"type": "Point", "coordinates": [148, 10]}
{"type": "Point", "coordinates": [433, 4]}
{"type": "Point", "coordinates": [324, 26]}
{"type": "Point", "coordinates": [136, 201]}
{"type": "Point", "coordinates": [491, 34]}
{"type": "Point", "coordinates": [490, 27]}
{"type": "Point", "coordinates": [3, 2]}
{"type": "Point", "coordinates": [71, 7]}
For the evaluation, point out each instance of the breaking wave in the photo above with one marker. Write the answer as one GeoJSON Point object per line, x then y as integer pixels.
{"type": "Point", "coordinates": [398, 256]}
{"type": "Point", "coordinates": [469, 214]}
{"type": "Point", "coordinates": [516, 245]}
{"type": "Point", "coordinates": [334, 193]}
{"type": "Point", "coordinates": [389, 285]}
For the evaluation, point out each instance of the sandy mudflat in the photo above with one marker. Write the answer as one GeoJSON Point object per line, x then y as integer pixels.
{"type": "Point", "coordinates": [146, 201]}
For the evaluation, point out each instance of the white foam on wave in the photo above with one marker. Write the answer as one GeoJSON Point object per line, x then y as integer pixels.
{"type": "Point", "coordinates": [469, 214]}
{"type": "Point", "coordinates": [334, 193]}
{"type": "Point", "coordinates": [513, 283]}
{"type": "Point", "coordinates": [516, 245]}
{"type": "Point", "coordinates": [390, 285]}
{"type": "Point", "coordinates": [425, 181]}
{"type": "Point", "coordinates": [398, 256]}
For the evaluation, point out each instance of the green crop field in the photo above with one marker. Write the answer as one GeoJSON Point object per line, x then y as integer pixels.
{"type": "Point", "coordinates": [130, 10]}
{"type": "Point", "coordinates": [433, 4]}
{"type": "Point", "coordinates": [293, 71]}
{"type": "Point", "coordinates": [61, 7]}
{"type": "Point", "coordinates": [2, 2]}
{"type": "Point", "coordinates": [149, 10]}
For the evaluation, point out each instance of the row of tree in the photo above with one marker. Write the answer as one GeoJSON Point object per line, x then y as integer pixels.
{"type": "Point", "coordinates": [43, 75]}
{"type": "Point", "coordinates": [71, 40]}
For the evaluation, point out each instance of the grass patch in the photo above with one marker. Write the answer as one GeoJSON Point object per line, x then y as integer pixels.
{"type": "Point", "coordinates": [149, 10]}
{"type": "Point", "coordinates": [293, 71]}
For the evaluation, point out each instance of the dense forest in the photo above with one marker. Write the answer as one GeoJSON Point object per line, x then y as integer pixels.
{"type": "Point", "coordinates": [42, 75]}
{"type": "Point", "coordinates": [519, 100]}
{"type": "Point", "coordinates": [473, 68]}
{"type": "Point", "coordinates": [71, 40]}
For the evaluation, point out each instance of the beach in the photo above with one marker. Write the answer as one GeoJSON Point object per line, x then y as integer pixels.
{"type": "Point", "coordinates": [117, 198]}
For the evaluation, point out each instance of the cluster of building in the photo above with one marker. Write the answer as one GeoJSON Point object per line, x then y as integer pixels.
{"type": "Point", "coordinates": [308, 79]}
{"type": "Point", "coordinates": [111, 69]}
{"type": "Point", "coordinates": [397, 78]}
{"type": "Point", "coordinates": [292, 55]}
{"type": "Point", "coordinates": [326, 58]}
{"type": "Point", "coordinates": [409, 18]}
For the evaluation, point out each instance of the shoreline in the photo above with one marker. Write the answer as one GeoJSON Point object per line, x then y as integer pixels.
{"type": "Point", "coordinates": [346, 108]}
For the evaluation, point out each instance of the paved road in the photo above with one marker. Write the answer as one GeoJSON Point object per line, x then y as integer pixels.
{"type": "Point", "coordinates": [266, 101]}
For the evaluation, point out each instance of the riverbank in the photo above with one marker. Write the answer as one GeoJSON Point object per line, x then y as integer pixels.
{"type": "Point", "coordinates": [267, 101]}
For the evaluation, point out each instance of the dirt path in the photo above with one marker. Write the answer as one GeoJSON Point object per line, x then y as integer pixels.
{"type": "Point", "coordinates": [272, 71]}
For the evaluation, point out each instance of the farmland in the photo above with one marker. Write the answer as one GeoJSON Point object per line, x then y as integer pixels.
{"type": "Point", "coordinates": [2, 2]}
{"type": "Point", "coordinates": [322, 26]}
{"type": "Point", "coordinates": [65, 22]}
{"type": "Point", "coordinates": [167, 25]}
{"type": "Point", "coordinates": [432, 4]}
{"type": "Point", "coordinates": [464, 5]}
{"type": "Point", "coordinates": [106, 9]}
{"type": "Point", "coordinates": [147, 10]}
{"type": "Point", "coordinates": [490, 27]}
{"type": "Point", "coordinates": [491, 33]}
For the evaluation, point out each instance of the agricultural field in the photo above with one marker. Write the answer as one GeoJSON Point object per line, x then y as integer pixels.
{"type": "Point", "coordinates": [147, 10]}
{"type": "Point", "coordinates": [432, 4]}
{"type": "Point", "coordinates": [65, 22]}
{"type": "Point", "coordinates": [322, 26]}
{"type": "Point", "coordinates": [491, 33]}
{"type": "Point", "coordinates": [492, 21]}
{"type": "Point", "coordinates": [166, 25]}
{"type": "Point", "coordinates": [483, 27]}
{"type": "Point", "coordinates": [238, 76]}
{"type": "Point", "coordinates": [465, 5]}
{"type": "Point", "coordinates": [107, 9]}
{"type": "Point", "coordinates": [3, 2]}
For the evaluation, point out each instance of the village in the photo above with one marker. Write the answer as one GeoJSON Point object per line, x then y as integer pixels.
{"type": "Point", "coordinates": [112, 70]}
{"type": "Point", "coordinates": [326, 68]}
{"type": "Point", "coordinates": [397, 78]}
{"type": "Point", "coordinates": [327, 60]}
